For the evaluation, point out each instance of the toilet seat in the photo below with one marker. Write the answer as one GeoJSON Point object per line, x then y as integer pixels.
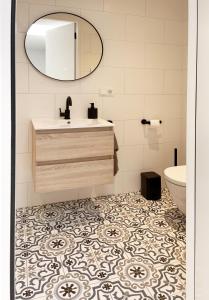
{"type": "Point", "coordinates": [176, 175]}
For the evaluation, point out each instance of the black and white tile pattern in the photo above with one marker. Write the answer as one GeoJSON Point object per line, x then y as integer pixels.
{"type": "Point", "coordinates": [119, 247]}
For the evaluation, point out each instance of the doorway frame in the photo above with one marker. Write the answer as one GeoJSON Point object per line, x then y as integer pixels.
{"type": "Point", "coordinates": [191, 147]}
{"type": "Point", "coordinates": [7, 140]}
{"type": "Point", "coordinates": [7, 149]}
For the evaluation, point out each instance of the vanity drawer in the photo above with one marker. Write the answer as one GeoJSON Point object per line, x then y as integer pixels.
{"type": "Point", "coordinates": [64, 176]}
{"type": "Point", "coordinates": [73, 145]}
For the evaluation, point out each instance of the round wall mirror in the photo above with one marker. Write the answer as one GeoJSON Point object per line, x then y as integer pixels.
{"type": "Point", "coordinates": [63, 46]}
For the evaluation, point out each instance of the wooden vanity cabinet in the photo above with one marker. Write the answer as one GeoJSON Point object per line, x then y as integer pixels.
{"type": "Point", "coordinates": [72, 158]}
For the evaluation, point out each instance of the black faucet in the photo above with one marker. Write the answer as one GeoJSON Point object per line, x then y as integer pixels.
{"type": "Point", "coordinates": [66, 114]}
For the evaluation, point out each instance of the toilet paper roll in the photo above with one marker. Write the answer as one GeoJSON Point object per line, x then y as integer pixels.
{"type": "Point", "coordinates": [155, 123]}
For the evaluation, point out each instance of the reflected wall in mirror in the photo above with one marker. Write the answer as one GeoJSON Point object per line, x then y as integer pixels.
{"type": "Point", "coordinates": [63, 46]}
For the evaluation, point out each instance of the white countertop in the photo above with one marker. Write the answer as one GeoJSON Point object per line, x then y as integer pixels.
{"type": "Point", "coordinates": [47, 124]}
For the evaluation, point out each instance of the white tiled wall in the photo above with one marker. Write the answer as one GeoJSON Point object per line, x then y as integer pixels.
{"type": "Point", "coordinates": [145, 46]}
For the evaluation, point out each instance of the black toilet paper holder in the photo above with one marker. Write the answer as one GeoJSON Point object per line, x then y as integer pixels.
{"type": "Point", "coordinates": [147, 122]}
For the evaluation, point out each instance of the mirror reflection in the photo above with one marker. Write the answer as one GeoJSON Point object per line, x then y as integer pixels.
{"type": "Point", "coordinates": [64, 46]}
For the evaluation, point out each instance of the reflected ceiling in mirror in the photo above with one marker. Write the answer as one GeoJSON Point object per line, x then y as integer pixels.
{"type": "Point", "coordinates": [64, 46]}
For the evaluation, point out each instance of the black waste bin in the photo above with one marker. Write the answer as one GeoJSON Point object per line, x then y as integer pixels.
{"type": "Point", "coordinates": [151, 185]}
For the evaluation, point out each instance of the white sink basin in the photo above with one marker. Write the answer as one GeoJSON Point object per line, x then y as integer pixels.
{"type": "Point", "coordinates": [47, 124]}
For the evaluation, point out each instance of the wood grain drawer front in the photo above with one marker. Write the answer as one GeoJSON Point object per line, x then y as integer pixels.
{"type": "Point", "coordinates": [72, 145]}
{"type": "Point", "coordinates": [73, 175]}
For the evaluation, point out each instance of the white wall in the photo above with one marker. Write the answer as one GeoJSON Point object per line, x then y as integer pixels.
{"type": "Point", "coordinates": [63, 49]}
{"type": "Point", "coordinates": [202, 154]}
{"type": "Point", "coordinates": [5, 148]}
{"type": "Point", "coordinates": [191, 104]}
{"type": "Point", "coordinates": [145, 46]}
{"type": "Point", "coordinates": [36, 48]}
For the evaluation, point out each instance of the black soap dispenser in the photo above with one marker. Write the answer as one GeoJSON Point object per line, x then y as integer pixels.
{"type": "Point", "coordinates": [92, 112]}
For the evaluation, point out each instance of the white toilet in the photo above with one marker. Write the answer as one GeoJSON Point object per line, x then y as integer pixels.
{"type": "Point", "coordinates": [176, 182]}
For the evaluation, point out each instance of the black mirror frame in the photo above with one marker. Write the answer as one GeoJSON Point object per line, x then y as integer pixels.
{"type": "Point", "coordinates": [66, 80]}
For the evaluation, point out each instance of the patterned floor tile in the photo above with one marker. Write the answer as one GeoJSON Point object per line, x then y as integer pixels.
{"type": "Point", "coordinates": [115, 247]}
